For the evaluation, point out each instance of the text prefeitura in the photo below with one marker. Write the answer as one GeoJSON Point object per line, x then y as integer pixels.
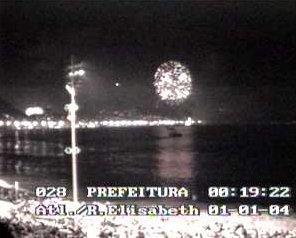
{"type": "Point", "coordinates": [137, 192]}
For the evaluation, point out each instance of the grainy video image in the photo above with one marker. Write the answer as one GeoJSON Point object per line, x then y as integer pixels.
{"type": "Point", "coordinates": [137, 119]}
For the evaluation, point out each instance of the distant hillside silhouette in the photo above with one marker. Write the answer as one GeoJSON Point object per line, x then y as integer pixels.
{"type": "Point", "coordinates": [7, 109]}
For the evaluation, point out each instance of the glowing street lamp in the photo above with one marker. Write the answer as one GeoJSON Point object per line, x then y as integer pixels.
{"type": "Point", "coordinates": [72, 108]}
{"type": "Point", "coordinates": [30, 111]}
{"type": "Point", "coordinates": [80, 72]}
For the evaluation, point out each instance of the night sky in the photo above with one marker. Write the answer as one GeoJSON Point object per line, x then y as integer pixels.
{"type": "Point", "coordinates": [241, 55]}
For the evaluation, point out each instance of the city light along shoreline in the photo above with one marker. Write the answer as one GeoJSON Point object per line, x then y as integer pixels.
{"type": "Point", "coordinates": [90, 124]}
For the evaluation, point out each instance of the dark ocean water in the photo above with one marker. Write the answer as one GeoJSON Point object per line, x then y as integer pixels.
{"type": "Point", "coordinates": [204, 156]}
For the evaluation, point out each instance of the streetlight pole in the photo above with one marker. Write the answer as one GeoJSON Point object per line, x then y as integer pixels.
{"type": "Point", "coordinates": [72, 108]}
{"type": "Point", "coordinates": [73, 139]}
{"type": "Point", "coordinates": [73, 145]}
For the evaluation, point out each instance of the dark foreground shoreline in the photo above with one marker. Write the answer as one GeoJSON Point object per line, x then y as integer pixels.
{"type": "Point", "coordinates": [20, 221]}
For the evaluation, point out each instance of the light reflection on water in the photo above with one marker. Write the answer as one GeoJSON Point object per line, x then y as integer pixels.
{"type": "Point", "coordinates": [175, 158]}
{"type": "Point", "coordinates": [202, 157]}
{"type": "Point", "coordinates": [121, 157]}
{"type": "Point", "coordinates": [24, 146]}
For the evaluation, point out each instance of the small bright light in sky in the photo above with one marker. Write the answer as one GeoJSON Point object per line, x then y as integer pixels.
{"type": "Point", "coordinates": [117, 84]}
{"type": "Point", "coordinates": [30, 111]}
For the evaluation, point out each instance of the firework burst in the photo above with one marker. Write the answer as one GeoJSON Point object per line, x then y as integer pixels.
{"type": "Point", "coordinates": [172, 82]}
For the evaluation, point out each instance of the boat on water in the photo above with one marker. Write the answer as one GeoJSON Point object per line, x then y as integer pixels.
{"type": "Point", "coordinates": [172, 132]}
